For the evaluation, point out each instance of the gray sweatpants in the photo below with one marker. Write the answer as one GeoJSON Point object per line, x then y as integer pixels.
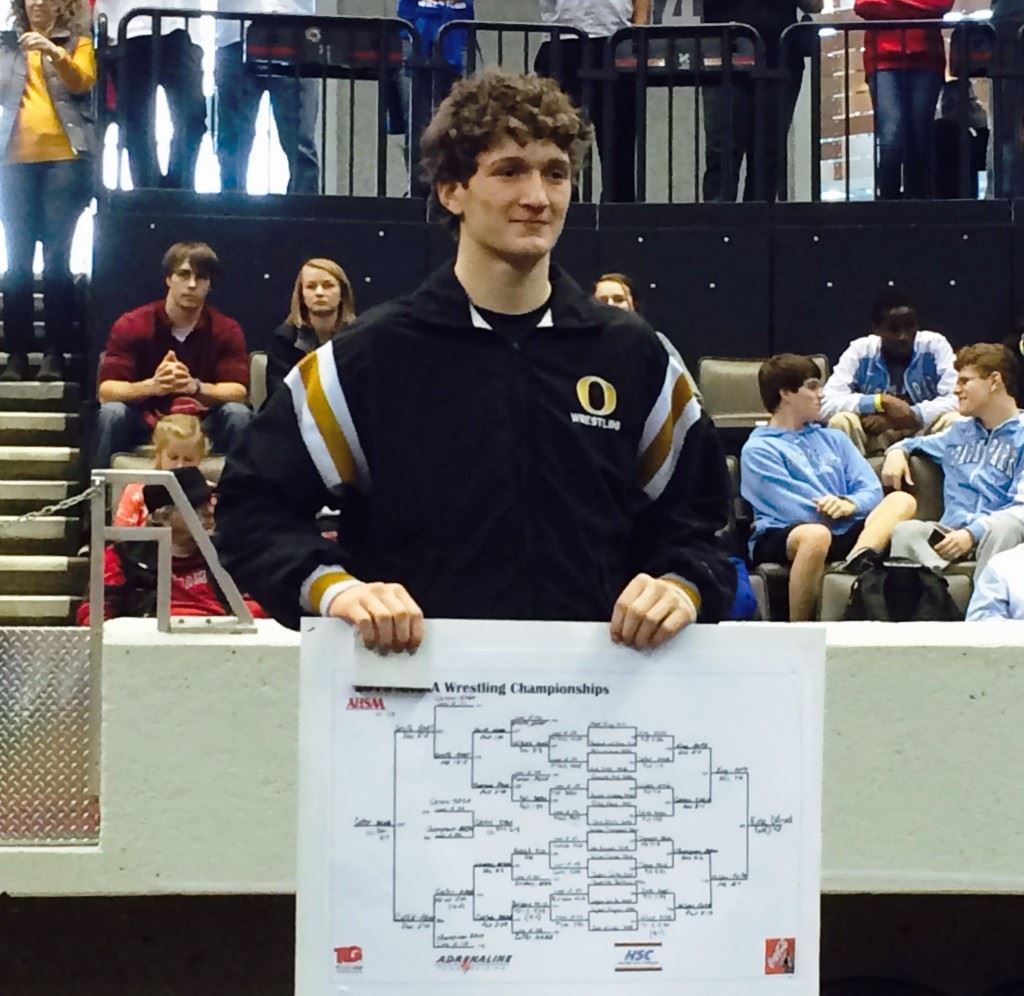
{"type": "Point", "coordinates": [910, 540]}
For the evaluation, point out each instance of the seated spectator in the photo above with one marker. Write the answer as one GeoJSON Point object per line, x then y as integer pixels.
{"type": "Point", "coordinates": [176, 355]}
{"type": "Point", "coordinates": [815, 498]}
{"type": "Point", "coordinates": [49, 143]}
{"type": "Point", "coordinates": [323, 303]}
{"type": "Point", "coordinates": [129, 568]}
{"type": "Point", "coordinates": [894, 383]}
{"type": "Point", "coordinates": [982, 458]}
{"type": "Point", "coordinates": [180, 442]}
{"type": "Point", "coordinates": [999, 588]}
{"type": "Point", "coordinates": [617, 290]}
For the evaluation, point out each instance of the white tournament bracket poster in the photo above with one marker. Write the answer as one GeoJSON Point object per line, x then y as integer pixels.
{"type": "Point", "coordinates": [554, 815]}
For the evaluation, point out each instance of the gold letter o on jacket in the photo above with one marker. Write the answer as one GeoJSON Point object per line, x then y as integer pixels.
{"type": "Point", "coordinates": [610, 399]}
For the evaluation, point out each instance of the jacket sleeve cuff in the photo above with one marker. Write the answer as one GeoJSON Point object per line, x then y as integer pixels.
{"type": "Point", "coordinates": [689, 587]}
{"type": "Point", "coordinates": [977, 529]}
{"type": "Point", "coordinates": [866, 405]}
{"type": "Point", "coordinates": [321, 588]}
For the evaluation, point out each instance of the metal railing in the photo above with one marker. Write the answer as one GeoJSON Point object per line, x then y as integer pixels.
{"type": "Point", "coordinates": [677, 120]}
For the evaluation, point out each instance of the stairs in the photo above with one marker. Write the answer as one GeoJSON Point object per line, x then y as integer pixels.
{"type": "Point", "coordinates": [42, 578]}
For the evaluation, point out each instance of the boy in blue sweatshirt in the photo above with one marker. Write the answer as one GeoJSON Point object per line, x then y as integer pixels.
{"type": "Point", "coordinates": [815, 498]}
{"type": "Point", "coordinates": [982, 460]}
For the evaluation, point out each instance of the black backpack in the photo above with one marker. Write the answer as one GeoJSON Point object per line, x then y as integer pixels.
{"type": "Point", "coordinates": [901, 591]}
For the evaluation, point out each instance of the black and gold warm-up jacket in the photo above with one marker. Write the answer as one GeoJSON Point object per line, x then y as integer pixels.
{"type": "Point", "coordinates": [495, 478]}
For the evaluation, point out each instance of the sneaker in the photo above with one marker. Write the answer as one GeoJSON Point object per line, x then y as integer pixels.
{"type": "Point", "coordinates": [859, 562]}
{"type": "Point", "coordinates": [16, 369]}
{"type": "Point", "coordinates": [52, 367]}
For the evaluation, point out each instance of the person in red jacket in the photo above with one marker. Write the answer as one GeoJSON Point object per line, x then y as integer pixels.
{"type": "Point", "coordinates": [176, 355]}
{"type": "Point", "coordinates": [905, 68]}
{"type": "Point", "coordinates": [129, 568]}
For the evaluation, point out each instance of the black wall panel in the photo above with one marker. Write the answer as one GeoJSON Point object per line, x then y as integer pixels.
{"type": "Point", "coordinates": [703, 272]}
{"type": "Point", "coordinates": [743, 280]}
{"type": "Point", "coordinates": [830, 262]}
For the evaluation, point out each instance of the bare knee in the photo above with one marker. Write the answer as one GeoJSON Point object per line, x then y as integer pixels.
{"type": "Point", "coordinates": [900, 503]}
{"type": "Point", "coordinates": [809, 542]}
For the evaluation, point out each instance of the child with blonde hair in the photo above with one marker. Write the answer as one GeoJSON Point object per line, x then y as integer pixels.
{"type": "Point", "coordinates": [180, 442]}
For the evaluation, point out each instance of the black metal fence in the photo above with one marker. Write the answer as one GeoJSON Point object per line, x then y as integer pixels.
{"type": "Point", "coordinates": [694, 113]}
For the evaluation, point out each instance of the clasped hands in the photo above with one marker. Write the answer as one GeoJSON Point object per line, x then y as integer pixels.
{"type": "Point", "coordinates": [648, 613]}
{"type": "Point", "coordinates": [172, 377]}
{"type": "Point", "coordinates": [33, 41]}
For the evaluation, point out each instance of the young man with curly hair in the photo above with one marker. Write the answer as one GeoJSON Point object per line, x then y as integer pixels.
{"type": "Point", "coordinates": [501, 445]}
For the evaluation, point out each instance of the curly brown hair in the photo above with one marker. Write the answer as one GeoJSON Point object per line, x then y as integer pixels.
{"type": "Point", "coordinates": [483, 109]}
{"type": "Point", "coordinates": [72, 15]}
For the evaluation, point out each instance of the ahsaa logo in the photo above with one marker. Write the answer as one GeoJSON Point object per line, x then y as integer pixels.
{"type": "Point", "coordinates": [366, 702]}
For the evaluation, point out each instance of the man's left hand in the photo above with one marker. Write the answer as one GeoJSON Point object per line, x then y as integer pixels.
{"type": "Point", "coordinates": [956, 544]}
{"type": "Point", "coordinates": [650, 611]}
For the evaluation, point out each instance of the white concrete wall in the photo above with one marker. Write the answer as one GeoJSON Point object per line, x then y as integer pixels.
{"type": "Point", "coordinates": [924, 765]}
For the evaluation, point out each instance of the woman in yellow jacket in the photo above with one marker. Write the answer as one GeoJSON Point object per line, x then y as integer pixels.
{"type": "Point", "coordinates": [49, 141]}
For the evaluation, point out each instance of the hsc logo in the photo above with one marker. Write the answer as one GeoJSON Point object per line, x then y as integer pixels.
{"type": "Point", "coordinates": [638, 956]}
{"type": "Point", "coordinates": [366, 702]}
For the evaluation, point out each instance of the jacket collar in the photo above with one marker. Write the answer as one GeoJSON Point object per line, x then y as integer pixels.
{"type": "Point", "coordinates": [442, 300]}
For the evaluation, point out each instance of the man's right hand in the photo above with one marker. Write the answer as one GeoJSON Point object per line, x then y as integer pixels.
{"type": "Point", "coordinates": [385, 614]}
{"type": "Point", "coordinates": [171, 376]}
{"type": "Point", "coordinates": [896, 470]}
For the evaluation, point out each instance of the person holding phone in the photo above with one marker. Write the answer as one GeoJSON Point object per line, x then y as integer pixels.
{"type": "Point", "coordinates": [982, 459]}
{"type": "Point", "coordinates": [47, 132]}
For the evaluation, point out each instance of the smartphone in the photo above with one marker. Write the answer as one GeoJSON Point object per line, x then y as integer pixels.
{"type": "Point", "coordinates": [939, 533]}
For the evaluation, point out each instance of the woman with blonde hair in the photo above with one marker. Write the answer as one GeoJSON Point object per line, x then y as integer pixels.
{"type": "Point", "coordinates": [48, 135]}
{"type": "Point", "coordinates": [323, 303]}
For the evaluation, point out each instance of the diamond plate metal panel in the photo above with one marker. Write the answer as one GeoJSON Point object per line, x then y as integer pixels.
{"type": "Point", "coordinates": [49, 791]}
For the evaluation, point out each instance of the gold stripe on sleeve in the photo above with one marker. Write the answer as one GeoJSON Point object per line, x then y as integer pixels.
{"type": "Point", "coordinates": [661, 446]}
{"type": "Point", "coordinates": [322, 583]}
{"type": "Point", "coordinates": [326, 423]}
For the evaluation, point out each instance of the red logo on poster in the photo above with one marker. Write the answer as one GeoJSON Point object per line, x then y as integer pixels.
{"type": "Point", "coordinates": [346, 956]}
{"type": "Point", "coordinates": [780, 956]}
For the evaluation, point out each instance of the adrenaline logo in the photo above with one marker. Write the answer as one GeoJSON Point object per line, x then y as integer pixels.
{"type": "Point", "coordinates": [465, 962]}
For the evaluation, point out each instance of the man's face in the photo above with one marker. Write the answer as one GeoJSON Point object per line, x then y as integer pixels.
{"type": "Point", "coordinates": [321, 293]}
{"type": "Point", "coordinates": [514, 205]}
{"type": "Point", "coordinates": [187, 290]}
{"type": "Point", "coordinates": [898, 329]}
{"type": "Point", "coordinates": [973, 390]}
{"type": "Point", "coordinates": [805, 403]}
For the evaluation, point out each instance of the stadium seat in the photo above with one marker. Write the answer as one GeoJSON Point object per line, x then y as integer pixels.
{"type": "Point", "coordinates": [257, 379]}
{"type": "Point", "coordinates": [729, 388]}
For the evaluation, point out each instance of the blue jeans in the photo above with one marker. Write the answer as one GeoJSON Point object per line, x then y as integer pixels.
{"type": "Point", "coordinates": [121, 427]}
{"type": "Point", "coordinates": [296, 104]}
{"type": "Point", "coordinates": [41, 202]}
{"type": "Point", "coordinates": [904, 101]}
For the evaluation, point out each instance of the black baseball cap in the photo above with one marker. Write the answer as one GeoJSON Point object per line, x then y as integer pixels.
{"type": "Point", "coordinates": [192, 482]}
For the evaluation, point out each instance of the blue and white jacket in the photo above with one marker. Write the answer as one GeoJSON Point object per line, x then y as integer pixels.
{"type": "Point", "coordinates": [984, 470]}
{"type": "Point", "coordinates": [783, 472]}
{"type": "Point", "coordinates": [861, 373]}
{"type": "Point", "coordinates": [999, 588]}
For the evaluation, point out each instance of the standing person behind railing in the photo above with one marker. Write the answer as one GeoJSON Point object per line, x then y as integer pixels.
{"type": "Point", "coordinates": [599, 19]}
{"type": "Point", "coordinates": [138, 67]}
{"type": "Point", "coordinates": [296, 102]}
{"type": "Point", "coordinates": [905, 68]}
{"type": "Point", "coordinates": [1007, 19]}
{"type": "Point", "coordinates": [769, 18]}
{"type": "Point", "coordinates": [48, 134]}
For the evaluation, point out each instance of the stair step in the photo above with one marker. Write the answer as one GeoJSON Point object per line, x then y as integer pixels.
{"type": "Point", "coordinates": [36, 357]}
{"type": "Point", "coordinates": [35, 395]}
{"type": "Point", "coordinates": [43, 575]}
{"type": "Point", "coordinates": [18, 497]}
{"type": "Point", "coordinates": [39, 463]}
{"type": "Point", "coordinates": [37, 610]}
{"type": "Point", "coordinates": [45, 535]}
{"type": "Point", "coordinates": [37, 428]}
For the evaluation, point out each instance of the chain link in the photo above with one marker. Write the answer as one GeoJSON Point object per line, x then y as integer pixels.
{"type": "Point", "coordinates": [60, 506]}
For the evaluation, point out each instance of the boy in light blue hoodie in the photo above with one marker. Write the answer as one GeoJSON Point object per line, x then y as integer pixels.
{"type": "Point", "coordinates": [982, 460]}
{"type": "Point", "coordinates": [815, 498]}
